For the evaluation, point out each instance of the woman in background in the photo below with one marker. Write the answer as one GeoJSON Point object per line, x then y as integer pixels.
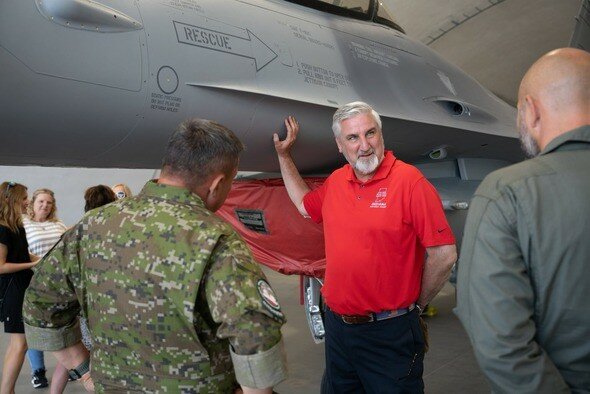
{"type": "Point", "coordinates": [15, 275]}
{"type": "Point", "coordinates": [43, 231]}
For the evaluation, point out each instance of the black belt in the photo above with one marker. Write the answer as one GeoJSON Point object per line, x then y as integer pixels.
{"type": "Point", "coordinates": [373, 317]}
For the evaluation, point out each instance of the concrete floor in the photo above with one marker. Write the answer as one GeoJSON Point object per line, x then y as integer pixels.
{"type": "Point", "coordinates": [450, 366]}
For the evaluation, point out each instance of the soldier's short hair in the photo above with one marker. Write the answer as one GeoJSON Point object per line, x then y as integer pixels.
{"type": "Point", "coordinates": [200, 148]}
{"type": "Point", "coordinates": [351, 110]}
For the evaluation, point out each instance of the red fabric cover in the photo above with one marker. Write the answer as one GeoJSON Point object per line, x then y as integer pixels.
{"type": "Point", "coordinates": [294, 244]}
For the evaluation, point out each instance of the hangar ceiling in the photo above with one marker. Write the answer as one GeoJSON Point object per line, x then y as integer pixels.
{"type": "Point", "coordinates": [494, 41]}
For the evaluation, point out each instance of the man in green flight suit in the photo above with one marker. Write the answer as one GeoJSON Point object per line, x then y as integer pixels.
{"type": "Point", "coordinates": [522, 290]}
{"type": "Point", "coordinates": [173, 298]}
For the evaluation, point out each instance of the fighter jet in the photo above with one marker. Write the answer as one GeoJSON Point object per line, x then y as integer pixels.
{"type": "Point", "coordinates": [108, 80]}
{"type": "Point", "coordinates": [102, 83]}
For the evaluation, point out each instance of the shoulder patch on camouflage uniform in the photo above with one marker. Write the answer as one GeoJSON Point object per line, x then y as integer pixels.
{"type": "Point", "coordinates": [269, 299]}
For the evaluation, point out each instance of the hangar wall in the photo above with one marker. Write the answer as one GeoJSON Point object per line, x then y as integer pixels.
{"type": "Point", "coordinates": [69, 184]}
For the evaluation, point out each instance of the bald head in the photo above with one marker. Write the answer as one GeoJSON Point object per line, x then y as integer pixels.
{"type": "Point", "coordinates": [554, 95]}
{"type": "Point", "coordinates": [561, 78]}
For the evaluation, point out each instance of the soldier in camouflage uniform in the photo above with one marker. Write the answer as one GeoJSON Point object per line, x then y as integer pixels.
{"type": "Point", "coordinates": [174, 300]}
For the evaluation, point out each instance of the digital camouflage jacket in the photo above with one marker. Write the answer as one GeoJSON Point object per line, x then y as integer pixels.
{"type": "Point", "coordinates": [166, 287]}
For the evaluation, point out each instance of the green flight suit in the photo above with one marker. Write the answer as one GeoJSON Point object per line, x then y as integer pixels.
{"type": "Point", "coordinates": [523, 290]}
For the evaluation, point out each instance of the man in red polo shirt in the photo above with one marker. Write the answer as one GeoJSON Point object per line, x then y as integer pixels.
{"type": "Point", "coordinates": [381, 217]}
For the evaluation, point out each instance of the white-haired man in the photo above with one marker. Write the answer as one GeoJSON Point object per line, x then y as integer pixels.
{"type": "Point", "coordinates": [380, 216]}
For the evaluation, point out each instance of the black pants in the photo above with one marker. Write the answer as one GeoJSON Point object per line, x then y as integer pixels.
{"type": "Point", "coordinates": [380, 357]}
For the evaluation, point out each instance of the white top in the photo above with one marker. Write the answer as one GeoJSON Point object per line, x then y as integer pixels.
{"type": "Point", "coordinates": [41, 236]}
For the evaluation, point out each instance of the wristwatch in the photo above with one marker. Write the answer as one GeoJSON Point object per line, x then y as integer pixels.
{"type": "Point", "coordinates": [80, 370]}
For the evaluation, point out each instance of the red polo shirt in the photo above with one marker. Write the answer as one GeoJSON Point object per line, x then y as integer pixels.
{"type": "Point", "coordinates": [376, 234]}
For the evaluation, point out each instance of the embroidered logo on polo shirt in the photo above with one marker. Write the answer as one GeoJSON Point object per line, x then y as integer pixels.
{"type": "Point", "coordinates": [380, 199]}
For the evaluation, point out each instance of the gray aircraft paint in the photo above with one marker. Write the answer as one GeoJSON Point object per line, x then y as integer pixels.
{"type": "Point", "coordinates": [104, 83]}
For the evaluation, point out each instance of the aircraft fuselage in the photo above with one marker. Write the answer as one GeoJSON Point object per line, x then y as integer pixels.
{"type": "Point", "coordinates": [103, 83]}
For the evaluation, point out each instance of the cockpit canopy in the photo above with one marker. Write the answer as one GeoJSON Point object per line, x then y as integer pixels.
{"type": "Point", "coordinates": [368, 10]}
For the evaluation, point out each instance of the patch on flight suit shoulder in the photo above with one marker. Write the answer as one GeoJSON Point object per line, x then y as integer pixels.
{"type": "Point", "coordinates": [269, 299]}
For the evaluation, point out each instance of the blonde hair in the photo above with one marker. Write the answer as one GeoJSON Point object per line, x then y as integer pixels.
{"type": "Point", "coordinates": [125, 189]}
{"type": "Point", "coordinates": [12, 195]}
{"type": "Point", "coordinates": [52, 217]}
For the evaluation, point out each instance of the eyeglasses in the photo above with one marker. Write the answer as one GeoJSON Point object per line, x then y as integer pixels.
{"type": "Point", "coordinates": [9, 185]}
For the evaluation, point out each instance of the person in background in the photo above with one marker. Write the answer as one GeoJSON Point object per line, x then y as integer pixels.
{"type": "Point", "coordinates": [174, 299]}
{"type": "Point", "coordinates": [523, 289]}
{"type": "Point", "coordinates": [97, 196]}
{"type": "Point", "coordinates": [43, 230]}
{"type": "Point", "coordinates": [16, 265]}
{"type": "Point", "coordinates": [121, 190]}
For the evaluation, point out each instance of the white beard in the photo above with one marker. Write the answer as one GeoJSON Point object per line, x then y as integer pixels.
{"type": "Point", "coordinates": [367, 165]}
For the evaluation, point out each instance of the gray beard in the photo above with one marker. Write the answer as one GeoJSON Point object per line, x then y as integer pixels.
{"type": "Point", "coordinates": [367, 166]}
{"type": "Point", "coordinates": [528, 143]}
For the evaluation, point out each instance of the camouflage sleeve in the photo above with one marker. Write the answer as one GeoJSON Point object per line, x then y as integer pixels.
{"type": "Point", "coordinates": [51, 307]}
{"type": "Point", "coordinates": [250, 317]}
